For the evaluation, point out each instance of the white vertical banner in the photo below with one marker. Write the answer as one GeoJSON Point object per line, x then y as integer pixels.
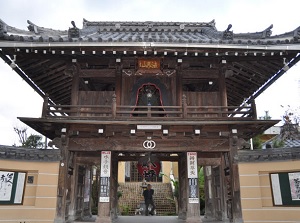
{"type": "Point", "coordinates": [20, 188]}
{"type": "Point", "coordinates": [276, 189]}
{"type": "Point", "coordinates": [192, 168]}
{"type": "Point", "coordinates": [105, 176]}
{"type": "Point", "coordinates": [105, 163]}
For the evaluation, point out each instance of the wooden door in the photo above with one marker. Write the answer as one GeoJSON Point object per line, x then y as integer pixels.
{"type": "Point", "coordinates": [80, 191]}
{"type": "Point", "coordinates": [217, 193]}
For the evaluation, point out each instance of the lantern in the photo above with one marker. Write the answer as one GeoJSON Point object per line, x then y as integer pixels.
{"type": "Point", "coordinates": [149, 166]}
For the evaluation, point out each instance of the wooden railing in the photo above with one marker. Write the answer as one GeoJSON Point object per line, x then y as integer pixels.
{"type": "Point", "coordinates": [115, 111]}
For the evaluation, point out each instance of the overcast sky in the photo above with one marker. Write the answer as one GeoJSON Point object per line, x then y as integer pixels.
{"type": "Point", "coordinates": [17, 99]}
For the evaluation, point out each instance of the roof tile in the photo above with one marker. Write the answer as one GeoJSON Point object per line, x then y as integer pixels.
{"type": "Point", "coordinates": [117, 31]}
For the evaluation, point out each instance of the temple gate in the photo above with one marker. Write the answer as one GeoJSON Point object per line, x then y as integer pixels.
{"type": "Point", "coordinates": [117, 91]}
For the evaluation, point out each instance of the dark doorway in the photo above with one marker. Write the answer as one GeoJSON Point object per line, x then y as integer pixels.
{"type": "Point", "coordinates": [149, 95]}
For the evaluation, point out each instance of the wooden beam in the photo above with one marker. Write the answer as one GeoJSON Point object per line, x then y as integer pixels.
{"type": "Point", "coordinates": [209, 161]}
{"type": "Point", "coordinates": [62, 92]}
{"type": "Point", "coordinates": [245, 77]}
{"type": "Point", "coordinates": [268, 68]}
{"type": "Point", "coordinates": [101, 73]}
{"type": "Point", "coordinates": [247, 67]}
{"type": "Point", "coordinates": [40, 63]}
{"type": "Point", "coordinates": [55, 82]}
{"type": "Point", "coordinates": [204, 73]}
{"type": "Point", "coordinates": [162, 145]}
{"type": "Point", "coordinates": [63, 86]}
{"type": "Point", "coordinates": [44, 73]}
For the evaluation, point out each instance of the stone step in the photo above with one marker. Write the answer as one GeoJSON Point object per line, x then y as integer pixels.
{"type": "Point", "coordinates": [132, 197]}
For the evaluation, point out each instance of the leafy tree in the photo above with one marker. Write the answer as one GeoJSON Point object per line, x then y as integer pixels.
{"type": "Point", "coordinates": [266, 116]}
{"type": "Point", "coordinates": [175, 184]}
{"type": "Point", "coordinates": [278, 143]}
{"type": "Point", "coordinates": [257, 143]}
{"type": "Point", "coordinates": [22, 133]}
{"type": "Point", "coordinates": [201, 184]}
{"type": "Point", "coordinates": [289, 129]}
{"type": "Point", "coordinates": [33, 141]}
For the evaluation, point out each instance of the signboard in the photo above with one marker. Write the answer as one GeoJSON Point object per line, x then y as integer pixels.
{"type": "Point", "coordinates": [285, 188]}
{"type": "Point", "coordinates": [294, 179]}
{"type": "Point", "coordinates": [149, 63]}
{"type": "Point", "coordinates": [149, 127]}
{"type": "Point", "coordinates": [192, 168]}
{"type": "Point", "coordinates": [12, 186]}
{"type": "Point", "coordinates": [104, 189]}
{"type": "Point", "coordinates": [105, 163]}
{"type": "Point", "coordinates": [105, 176]}
{"type": "Point", "coordinates": [193, 191]}
{"type": "Point", "coordinates": [192, 165]}
{"type": "Point", "coordinates": [148, 66]}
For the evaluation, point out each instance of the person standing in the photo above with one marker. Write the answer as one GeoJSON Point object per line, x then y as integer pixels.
{"type": "Point", "coordinates": [148, 196]}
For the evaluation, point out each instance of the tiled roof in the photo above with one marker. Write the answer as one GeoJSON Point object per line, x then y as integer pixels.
{"type": "Point", "coordinates": [163, 32]}
{"type": "Point", "coordinates": [265, 155]}
{"type": "Point", "coordinates": [20, 153]}
{"type": "Point", "coordinates": [288, 143]}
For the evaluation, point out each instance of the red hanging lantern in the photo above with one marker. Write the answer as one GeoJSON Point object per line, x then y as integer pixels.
{"type": "Point", "coordinates": [149, 166]}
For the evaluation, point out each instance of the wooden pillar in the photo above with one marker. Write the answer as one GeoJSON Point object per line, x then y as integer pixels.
{"type": "Point", "coordinates": [45, 106]}
{"type": "Point", "coordinates": [193, 201]}
{"type": "Point", "coordinates": [114, 106]}
{"type": "Point", "coordinates": [73, 175]}
{"type": "Point", "coordinates": [236, 209]}
{"type": "Point", "coordinates": [118, 86]}
{"type": "Point", "coordinates": [184, 106]}
{"type": "Point", "coordinates": [179, 85]}
{"type": "Point", "coordinates": [104, 205]}
{"type": "Point", "coordinates": [209, 208]}
{"type": "Point", "coordinates": [254, 111]}
{"type": "Point", "coordinates": [222, 90]}
{"type": "Point", "coordinates": [62, 187]}
{"type": "Point", "coordinates": [75, 86]}
{"type": "Point", "coordinates": [189, 204]}
{"type": "Point", "coordinates": [114, 187]}
{"type": "Point", "coordinates": [222, 86]}
{"type": "Point", "coordinates": [87, 201]}
{"type": "Point", "coordinates": [182, 176]}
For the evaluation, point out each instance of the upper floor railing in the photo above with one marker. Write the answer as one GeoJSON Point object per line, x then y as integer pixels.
{"type": "Point", "coordinates": [127, 112]}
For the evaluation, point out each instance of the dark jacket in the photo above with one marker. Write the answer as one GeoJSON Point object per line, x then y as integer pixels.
{"type": "Point", "coordinates": [148, 194]}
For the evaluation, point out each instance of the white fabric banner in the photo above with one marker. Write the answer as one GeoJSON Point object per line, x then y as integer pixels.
{"type": "Point", "coordinates": [192, 166]}
{"type": "Point", "coordinates": [276, 189]}
{"type": "Point", "coordinates": [105, 163]}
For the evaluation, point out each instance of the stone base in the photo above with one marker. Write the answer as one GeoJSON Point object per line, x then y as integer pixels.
{"type": "Point", "coordinates": [193, 220]}
{"type": "Point", "coordinates": [182, 215]}
{"type": "Point", "coordinates": [103, 220]}
{"type": "Point", "coordinates": [58, 221]}
{"type": "Point", "coordinates": [239, 220]}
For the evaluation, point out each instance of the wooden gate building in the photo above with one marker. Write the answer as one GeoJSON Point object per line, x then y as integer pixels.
{"type": "Point", "coordinates": [120, 91]}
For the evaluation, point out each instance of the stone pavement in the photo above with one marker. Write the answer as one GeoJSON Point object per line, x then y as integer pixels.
{"type": "Point", "coordinates": [148, 219]}
{"type": "Point", "coordinates": [154, 219]}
